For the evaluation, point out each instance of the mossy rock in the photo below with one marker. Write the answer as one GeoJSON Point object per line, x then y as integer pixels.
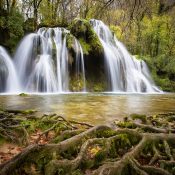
{"type": "Point", "coordinates": [125, 124]}
{"type": "Point", "coordinates": [77, 83]}
{"type": "Point", "coordinates": [23, 95]}
{"type": "Point", "coordinates": [88, 39]}
{"type": "Point", "coordinates": [70, 41]}
{"type": "Point", "coordinates": [139, 117]}
{"type": "Point", "coordinates": [99, 87]}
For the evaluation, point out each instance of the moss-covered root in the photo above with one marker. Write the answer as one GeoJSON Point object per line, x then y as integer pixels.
{"type": "Point", "coordinates": [99, 150]}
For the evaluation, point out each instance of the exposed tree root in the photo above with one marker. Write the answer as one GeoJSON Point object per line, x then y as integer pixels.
{"type": "Point", "coordinates": [139, 145]}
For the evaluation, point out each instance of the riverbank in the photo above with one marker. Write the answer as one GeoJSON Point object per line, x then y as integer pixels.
{"type": "Point", "coordinates": [51, 144]}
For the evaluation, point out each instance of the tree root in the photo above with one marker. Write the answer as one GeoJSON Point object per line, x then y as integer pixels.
{"type": "Point", "coordinates": [101, 150]}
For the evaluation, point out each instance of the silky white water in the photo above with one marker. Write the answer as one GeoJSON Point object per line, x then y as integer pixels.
{"type": "Point", "coordinates": [43, 63]}
{"type": "Point", "coordinates": [8, 77]}
{"type": "Point", "coordinates": [80, 63]}
{"type": "Point", "coordinates": [125, 73]}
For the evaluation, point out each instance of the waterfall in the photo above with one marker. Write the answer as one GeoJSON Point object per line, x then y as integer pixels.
{"type": "Point", "coordinates": [8, 77]}
{"type": "Point", "coordinates": [39, 71]}
{"type": "Point", "coordinates": [80, 63]}
{"type": "Point", "coordinates": [43, 78]}
{"type": "Point", "coordinates": [43, 63]}
{"type": "Point", "coordinates": [124, 72]}
{"type": "Point", "coordinates": [25, 58]}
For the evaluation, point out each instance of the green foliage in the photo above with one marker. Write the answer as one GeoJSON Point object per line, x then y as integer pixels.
{"type": "Point", "coordinates": [2, 21]}
{"type": "Point", "coordinates": [70, 41]}
{"type": "Point", "coordinates": [86, 47]}
{"type": "Point", "coordinates": [14, 24]}
{"type": "Point", "coordinates": [149, 33]}
{"type": "Point", "coordinates": [152, 39]}
{"type": "Point", "coordinates": [29, 25]}
{"type": "Point", "coordinates": [163, 71]}
{"type": "Point", "coordinates": [12, 27]}
{"type": "Point", "coordinates": [116, 30]}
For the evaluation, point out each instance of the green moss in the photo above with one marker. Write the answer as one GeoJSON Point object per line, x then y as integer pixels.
{"type": "Point", "coordinates": [23, 95]}
{"type": "Point", "coordinates": [76, 83]}
{"type": "Point", "coordinates": [29, 111]}
{"type": "Point", "coordinates": [87, 164]}
{"type": "Point", "coordinates": [99, 157]}
{"type": "Point", "coordinates": [113, 150]}
{"type": "Point", "coordinates": [139, 116]}
{"type": "Point", "coordinates": [124, 140]}
{"type": "Point", "coordinates": [99, 87]}
{"type": "Point", "coordinates": [77, 172]}
{"type": "Point", "coordinates": [106, 133]}
{"type": "Point", "coordinates": [33, 124]}
{"type": "Point", "coordinates": [127, 124]}
{"type": "Point", "coordinates": [85, 46]}
{"type": "Point", "coordinates": [64, 136]}
{"type": "Point", "coordinates": [2, 140]}
{"type": "Point", "coordinates": [70, 153]}
{"type": "Point", "coordinates": [96, 84]}
{"type": "Point", "coordinates": [70, 41]}
{"type": "Point", "coordinates": [83, 30]}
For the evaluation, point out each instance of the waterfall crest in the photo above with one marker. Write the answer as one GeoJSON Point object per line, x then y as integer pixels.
{"type": "Point", "coordinates": [125, 73]}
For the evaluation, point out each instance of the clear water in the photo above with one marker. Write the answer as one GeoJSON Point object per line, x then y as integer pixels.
{"type": "Point", "coordinates": [95, 108]}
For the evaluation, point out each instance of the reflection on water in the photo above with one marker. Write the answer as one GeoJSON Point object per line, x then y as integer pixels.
{"type": "Point", "coordinates": [93, 108]}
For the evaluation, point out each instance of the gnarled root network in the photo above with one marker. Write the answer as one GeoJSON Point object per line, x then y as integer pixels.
{"type": "Point", "coordinates": [139, 145]}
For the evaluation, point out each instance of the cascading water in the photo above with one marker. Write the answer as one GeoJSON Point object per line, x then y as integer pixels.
{"type": "Point", "coordinates": [80, 63]}
{"type": "Point", "coordinates": [8, 76]}
{"type": "Point", "coordinates": [125, 73]}
{"type": "Point", "coordinates": [43, 64]}
{"type": "Point", "coordinates": [42, 61]}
